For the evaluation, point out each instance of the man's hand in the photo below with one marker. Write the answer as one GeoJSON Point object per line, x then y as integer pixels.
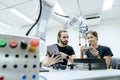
{"type": "Point", "coordinates": [63, 55]}
{"type": "Point", "coordinates": [52, 60]}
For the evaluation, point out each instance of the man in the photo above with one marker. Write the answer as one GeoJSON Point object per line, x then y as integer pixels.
{"type": "Point", "coordinates": [66, 52]}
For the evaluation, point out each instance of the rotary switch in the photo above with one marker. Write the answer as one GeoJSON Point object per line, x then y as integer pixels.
{"type": "Point", "coordinates": [23, 44]}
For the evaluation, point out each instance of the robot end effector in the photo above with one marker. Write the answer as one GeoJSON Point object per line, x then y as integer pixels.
{"type": "Point", "coordinates": [81, 24]}
{"type": "Point", "coordinates": [76, 22]}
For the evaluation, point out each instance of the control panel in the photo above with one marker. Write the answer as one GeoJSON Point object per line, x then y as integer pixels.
{"type": "Point", "coordinates": [19, 57]}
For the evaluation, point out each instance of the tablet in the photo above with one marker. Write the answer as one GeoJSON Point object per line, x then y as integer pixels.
{"type": "Point", "coordinates": [52, 49]}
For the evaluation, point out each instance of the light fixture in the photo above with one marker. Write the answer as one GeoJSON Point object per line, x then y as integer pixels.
{"type": "Point", "coordinates": [21, 15]}
{"type": "Point", "coordinates": [107, 4]}
{"type": "Point", "coordinates": [4, 24]}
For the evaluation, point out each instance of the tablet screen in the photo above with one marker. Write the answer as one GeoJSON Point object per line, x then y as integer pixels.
{"type": "Point", "coordinates": [51, 49]}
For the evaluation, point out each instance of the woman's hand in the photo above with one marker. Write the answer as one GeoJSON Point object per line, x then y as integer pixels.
{"type": "Point", "coordinates": [94, 52]}
{"type": "Point", "coordinates": [83, 48]}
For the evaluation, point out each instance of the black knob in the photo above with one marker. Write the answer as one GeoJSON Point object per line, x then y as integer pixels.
{"type": "Point", "coordinates": [23, 44]}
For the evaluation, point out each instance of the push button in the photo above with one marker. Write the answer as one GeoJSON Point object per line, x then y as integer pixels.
{"type": "Point", "coordinates": [3, 43]}
{"type": "Point", "coordinates": [2, 78]}
{"type": "Point", "coordinates": [13, 43]}
{"type": "Point", "coordinates": [24, 77]}
{"type": "Point", "coordinates": [34, 43]}
{"type": "Point", "coordinates": [33, 76]}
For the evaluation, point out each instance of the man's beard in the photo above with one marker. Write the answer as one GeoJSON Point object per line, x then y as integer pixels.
{"type": "Point", "coordinates": [64, 42]}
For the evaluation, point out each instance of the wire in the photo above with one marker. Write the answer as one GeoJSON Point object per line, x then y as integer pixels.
{"type": "Point", "coordinates": [40, 2]}
{"type": "Point", "coordinates": [61, 15]}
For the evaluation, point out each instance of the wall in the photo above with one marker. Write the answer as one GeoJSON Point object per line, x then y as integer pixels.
{"type": "Point", "coordinates": [108, 35]}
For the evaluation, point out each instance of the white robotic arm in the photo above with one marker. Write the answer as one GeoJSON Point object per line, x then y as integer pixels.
{"type": "Point", "coordinates": [67, 21]}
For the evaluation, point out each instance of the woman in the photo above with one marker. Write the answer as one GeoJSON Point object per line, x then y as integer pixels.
{"type": "Point", "coordinates": [96, 50]}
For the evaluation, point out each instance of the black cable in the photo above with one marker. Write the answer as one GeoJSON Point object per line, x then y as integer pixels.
{"type": "Point", "coordinates": [61, 15]}
{"type": "Point", "coordinates": [40, 2]}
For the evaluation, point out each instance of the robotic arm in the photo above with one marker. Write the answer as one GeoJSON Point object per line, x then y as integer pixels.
{"type": "Point", "coordinates": [39, 30]}
{"type": "Point", "coordinates": [67, 21]}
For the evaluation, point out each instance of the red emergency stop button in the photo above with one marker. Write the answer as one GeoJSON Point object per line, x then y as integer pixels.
{"type": "Point", "coordinates": [34, 43]}
{"type": "Point", "coordinates": [2, 78]}
{"type": "Point", "coordinates": [13, 43]}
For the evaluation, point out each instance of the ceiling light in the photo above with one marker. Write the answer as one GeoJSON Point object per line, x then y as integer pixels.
{"type": "Point", "coordinates": [107, 4]}
{"type": "Point", "coordinates": [21, 15]}
{"type": "Point", "coordinates": [58, 9]}
{"type": "Point", "coordinates": [5, 25]}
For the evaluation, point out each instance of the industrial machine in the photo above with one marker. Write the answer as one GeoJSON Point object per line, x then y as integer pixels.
{"type": "Point", "coordinates": [19, 57]}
